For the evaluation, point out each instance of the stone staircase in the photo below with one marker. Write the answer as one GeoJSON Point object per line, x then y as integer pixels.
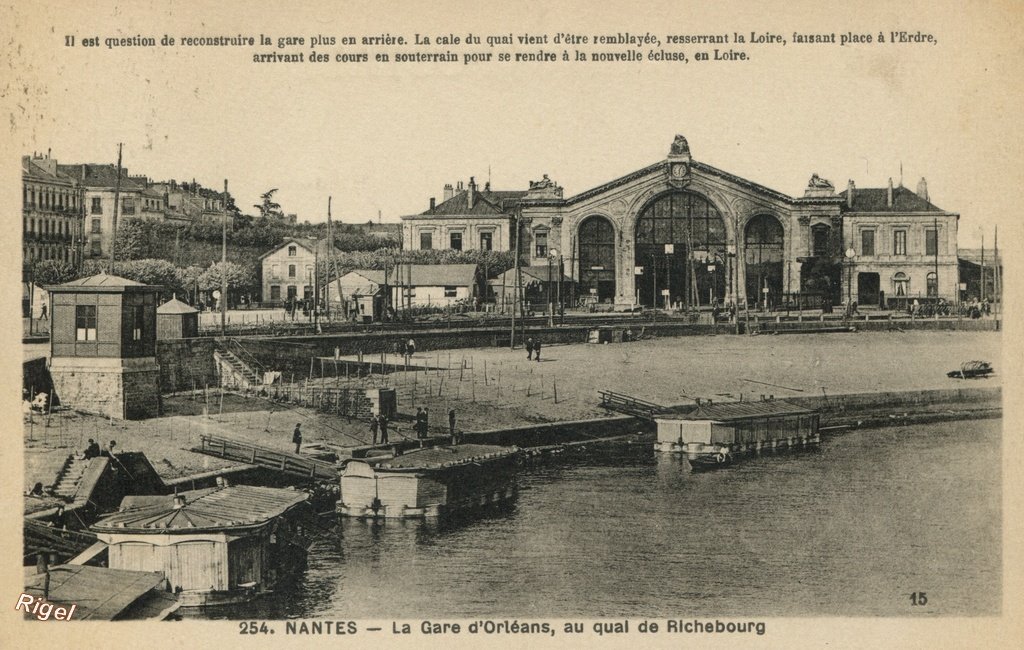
{"type": "Point", "coordinates": [70, 477]}
{"type": "Point", "coordinates": [234, 373]}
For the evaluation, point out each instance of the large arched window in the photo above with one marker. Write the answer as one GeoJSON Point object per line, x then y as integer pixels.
{"type": "Point", "coordinates": [677, 234]}
{"type": "Point", "coordinates": [597, 258]}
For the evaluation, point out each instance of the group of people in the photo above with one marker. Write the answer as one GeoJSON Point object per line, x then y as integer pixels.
{"type": "Point", "coordinates": [92, 450]}
{"type": "Point", "coordinates": [532, 349]}
{"type": "Point", "coordinates": [379, 423]}
{"type": "Point", "coordinates": [406, 349]}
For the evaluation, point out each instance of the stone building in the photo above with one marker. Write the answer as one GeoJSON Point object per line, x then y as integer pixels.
{"type": "Point", "coordinates": [51, 212]}
{"type": "Point", "coordinates": [100, 184]}
{"type": "Point", "coordinates": [681, 232]}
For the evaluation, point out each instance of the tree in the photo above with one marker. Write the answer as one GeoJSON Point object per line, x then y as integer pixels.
{"type": "Point", "coordinates": [131, 242]}
{"type": "Point", "coordinates": [239, 277]}
{"type": "Point", "coordinates": [268, 208]}
{"type": "Point", "coordinates": [49, 272]}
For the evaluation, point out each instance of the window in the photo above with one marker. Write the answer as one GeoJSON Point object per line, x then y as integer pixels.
{"type": "Point", "coordinates": [292, 251]}
{"type": "Point", "coordinates": [97, 206]}
{"type": "Point", "coordinates": [275, 271]}
{"type": "Point", "coordinates": [137, 318]}
{"type": "Point", "coordinates": [867, 242]}
{"type": "Point", "coordinates": [486, 241]}
{"type": "Point", "coordinates": [127, 206]}
{"type": "Point", "coordinates": [933, 285]}
{"type": "Point", "coordinates": [899, 242]}
{"type": "Point", "coordinates": [819, 240]}
{"type": "Point", "coordinates": [931, 243]}
{"type": "Point", "coordinates": [455, 239]}
{"type": "Point", "coordinates": [85, 322]}
{"type": "Point", "coordinates": [96, 225]}
{"type": "Point", "coordinates": [275, 292]}
{"type": "Point", "coordinates": [291, 270]}
{"type": "Point", "coordinates": [96, 247]}
{"type": "Point", "coordinates": [540, 240]}
{"type": "Point", "coordinates": [426, 240]}
{"type": "Point", "coordinates": [901, 284]}
{"type": "Point", "coordinates": [449, 292]}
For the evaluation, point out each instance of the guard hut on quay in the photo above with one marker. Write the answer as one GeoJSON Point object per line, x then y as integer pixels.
{"type": "Point", "coordinates": [176, 320]}
{"type": "Point", "coordinates": [216, 546]}
{"type": "Point", "coordinates": [713, 434]}
{"type": "Point", "coordinates": [103, 346]}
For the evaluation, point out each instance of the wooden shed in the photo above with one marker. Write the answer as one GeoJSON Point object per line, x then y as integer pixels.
{"type": "Point", "coordinates": [176, 320]}
{"type": "Point", "coordinates": [216, 546]}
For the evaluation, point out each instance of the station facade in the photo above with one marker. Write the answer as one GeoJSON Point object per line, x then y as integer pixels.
{"type": "Point", "coordinates": [683, 233]}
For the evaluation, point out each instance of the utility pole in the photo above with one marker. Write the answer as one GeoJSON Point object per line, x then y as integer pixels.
{"type": "Point", "coordinates": [997, 276]}
{"type": "Point", "coordinates": [983, 278]}
{"type": "Point", "coordinates": [515, 290]}
{"type": "Point", "coordinates": [330, 260]}
{"type": "Point", "coordinates": [936, 226]}
{"type": "Point", "coordinates": [117, 202]}
{"type": "Point", "coordinates": [224, 265]}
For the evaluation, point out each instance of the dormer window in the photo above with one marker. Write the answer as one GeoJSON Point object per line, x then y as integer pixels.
{"type": "Point", "coordinates": [293, 251]}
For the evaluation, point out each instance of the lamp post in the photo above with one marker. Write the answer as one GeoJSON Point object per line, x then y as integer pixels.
{"type": "Point", "coordinates": [849, 278]}
{"type": "Point", "coordinates": [552, 254]}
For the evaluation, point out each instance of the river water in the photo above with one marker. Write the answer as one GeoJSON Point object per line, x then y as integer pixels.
{"type": "Point", "coordinates": [851, 529]}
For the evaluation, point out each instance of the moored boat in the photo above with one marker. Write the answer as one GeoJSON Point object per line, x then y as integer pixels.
{"type": "Point", "coordinates": [429, 482]}
{"type": "Point", "coordinates": [713, 435]}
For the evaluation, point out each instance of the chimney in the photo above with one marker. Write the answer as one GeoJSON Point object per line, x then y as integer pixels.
{"type": "Point", "coordinates": [471, 197]}
{"type": "Point", "coordinates": [849, 194]}
{"type": "Point", "coordinates": [888, 195]}
{"type": "Point", "coordinates": [459, 188]}
{"type": "Point", "coordinates": [432, 203]}
{"type": "Point", "coordinates": [449, 192]}
{"type": "Point", "coordinates": [922, 188]}
{"type": "Point", "coordinates": [487, 187]}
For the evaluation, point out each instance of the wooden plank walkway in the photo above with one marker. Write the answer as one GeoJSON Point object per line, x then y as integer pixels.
{"type": "Point", "coordinates": [272, 459]}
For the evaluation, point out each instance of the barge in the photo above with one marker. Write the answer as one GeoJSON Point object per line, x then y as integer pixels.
{"type": "Point", "coordinates": [216, 546]}
{"type": "Point", "coordinates": [431, 482]}
{"type": "Point", "coordinates": [713, 435]}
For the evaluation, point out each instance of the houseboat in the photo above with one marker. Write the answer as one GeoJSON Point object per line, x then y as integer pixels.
{"type": "Point", "coordinates": [220, 545]}
{"type": "Point", "coordinates": [715, 434]}
{"type": "Point", "coordinates": [429, 482]}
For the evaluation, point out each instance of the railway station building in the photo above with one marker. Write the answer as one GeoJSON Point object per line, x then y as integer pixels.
{"type": "Point", "coordinates": [683, 233]}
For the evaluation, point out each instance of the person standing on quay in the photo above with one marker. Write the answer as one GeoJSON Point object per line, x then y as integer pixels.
{"type": "Point", "coordinates": [410, 348]}
{"type": "Point", "coordinates": [383, 428]}
{"type": "Point", "coordinates": [297, 436]}
{"type": "Point", "coordinates": [529, 349]}
{"type": "Point", "coordinates": [451, 426]}
{"type": "Point", "coordinates": [536, 350]}
{"type": "Point", "coordinates": [420, 429]}
{"type": "Point", "coordinates": [373, 428]}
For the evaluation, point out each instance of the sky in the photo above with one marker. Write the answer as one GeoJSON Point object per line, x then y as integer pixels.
{"type": "Point", "coordinates": [384, 139]}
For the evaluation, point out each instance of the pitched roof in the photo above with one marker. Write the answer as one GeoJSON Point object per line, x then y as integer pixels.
{"type": "Point", "coordinates": [35, 171]}
{"type": "Point", "coordinates": [175, 306]}
{"type": "Point", "coordinates": [210, 509]}
{"type": "Point", "coordinates": [973, 255]}
{"type": "Point", "coordinates": [875, 199]}
{"type": "Point", "coordinates": [726, 411]}
{"type": "Point", "coordinates": [441, 275]}
{"type": "Point", "coordinates": [538, 273]}
{"type": "Point", "coordinates": [101, 594]}
{"type": "Point", "coordinates": [91, 175]}
{"type": "Point", "coordinates": [318, 246]}
{"type": "Point", "coordinates": [102, 283]}
{"type": "Point", "coordinates": [446, 456]}
{"type": "Point", "coordinates": [362, 281]}
{"type": "Point", "coordinates": [485, 203]}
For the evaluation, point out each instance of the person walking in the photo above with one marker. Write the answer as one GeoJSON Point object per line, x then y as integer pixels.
{"type": "Point", "coordinates": [410, 348]}
{"type": "Point", "coordinates": [420, 428]}
{"type": "Point", "coordinates": [383, 428]}
{"type": "Point", "coordinates": [529, 349]}
{"type": "Point", "coordinates": [374, 424]}
{"type": "Point", "coordinates": [297, 436]}
{"type": "Point", "coordinates": [536, 350]}
{"type": "Point", "coordinates": [451, 426]}
{"type": "Point", "coordinates": [42, 315]}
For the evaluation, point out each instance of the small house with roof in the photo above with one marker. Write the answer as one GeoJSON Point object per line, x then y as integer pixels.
{"type": "Point", "coordinates": [288, 271]}
{"type": "Point", "coordinates": [103, 346]}
{"type": "Point", "coordinates": [360, 294]}
{"type": "Point", "coordinates": [900, 247]}
{"type": "Point", "coordinates": [176, 320]}
{"type": "Point", "coordinates": [215, 546]}
{"type": "Point", "coordinates": [433, 285]}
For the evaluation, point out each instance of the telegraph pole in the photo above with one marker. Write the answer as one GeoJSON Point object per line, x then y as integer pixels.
{"type": "Point", "coordinates": [330, 260]}
{"type": "Point", "coordinates": [515, 291]}
{"type": "Point", "coordinates": [224, 264]}
{"type": "Point", "coordinates": [117, 201]}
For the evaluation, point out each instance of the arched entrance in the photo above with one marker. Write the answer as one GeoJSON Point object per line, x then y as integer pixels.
{"type": "Point", "coordinates": [597, 259]}
{"type": "Point", "coordinates": [763, 255]}
{"type": "Point", "coordinates": [680, 251]}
